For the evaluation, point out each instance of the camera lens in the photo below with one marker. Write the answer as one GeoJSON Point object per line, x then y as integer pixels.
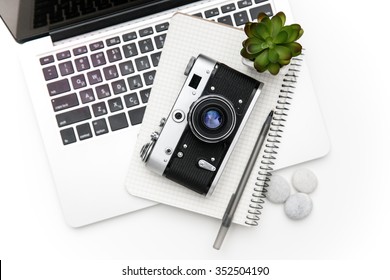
{"type": "Point", "coordinates": [212, 118]}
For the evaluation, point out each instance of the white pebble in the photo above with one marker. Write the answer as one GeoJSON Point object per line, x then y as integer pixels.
{"type": "Point", "coordinates": [304, 180]}
{"type": "Point", "coordinates": [298, 206]}
{"type": "Point", "coordinates": [278, 190]}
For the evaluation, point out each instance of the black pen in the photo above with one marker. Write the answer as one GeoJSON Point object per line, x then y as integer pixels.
{"type": "Point", "coordinates": [235, 199]}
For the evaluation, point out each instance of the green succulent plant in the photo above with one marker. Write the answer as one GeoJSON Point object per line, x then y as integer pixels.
{"type": "Point", "coordinates": [270, 43]}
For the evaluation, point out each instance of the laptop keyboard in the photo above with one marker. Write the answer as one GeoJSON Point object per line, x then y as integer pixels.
{"type": "Point", "coordinates": [104, 86]}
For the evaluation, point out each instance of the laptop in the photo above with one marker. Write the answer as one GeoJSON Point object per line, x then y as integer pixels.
{"type": "Point", "coordinates": [90, 66]}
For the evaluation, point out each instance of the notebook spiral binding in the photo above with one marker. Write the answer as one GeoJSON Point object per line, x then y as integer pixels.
{"type": "Point", "coordinates": [272, 142]}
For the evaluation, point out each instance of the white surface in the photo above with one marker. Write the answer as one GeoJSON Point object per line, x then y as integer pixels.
{"type": "Point", "coordinates": [350, 214]}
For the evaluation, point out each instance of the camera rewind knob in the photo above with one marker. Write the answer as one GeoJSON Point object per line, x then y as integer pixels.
{"type": "Point", "coordinates": [189, 66]}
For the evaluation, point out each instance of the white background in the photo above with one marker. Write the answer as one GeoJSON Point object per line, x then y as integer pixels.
{"type": "Point", "coordinates": [348, 55]}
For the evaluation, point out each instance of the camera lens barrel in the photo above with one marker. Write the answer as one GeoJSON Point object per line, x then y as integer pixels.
{"type": "Point", "coordinates": [212, 118]}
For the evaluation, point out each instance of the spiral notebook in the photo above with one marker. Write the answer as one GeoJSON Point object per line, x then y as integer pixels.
{"type": "Point", "coordinates": [189, 36]}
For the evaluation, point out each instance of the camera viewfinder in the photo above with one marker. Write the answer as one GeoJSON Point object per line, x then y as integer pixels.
{"type": "Point", "coordinates": [195, 81]}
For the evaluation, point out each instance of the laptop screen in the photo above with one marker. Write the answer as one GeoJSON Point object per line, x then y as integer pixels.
{"type": "Point", "coordinates": [29, 19]}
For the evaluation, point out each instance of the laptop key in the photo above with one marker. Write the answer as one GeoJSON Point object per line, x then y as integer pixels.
{"type": "Point", "coordinates": [63, 55]}
{"type": "Point", "coordinates": [84, 131]}
{"type": "Point", "coordinates": [80, 50]}
{"type": "Point", "coordinates": [259, 1]}
{"type": "Point", "coordinates": [162, 26]}
{"type": "Point", "coordinates": [87, 96]}
{"type": "Point", "coordinates": [228, 8]}
{"type": "Point", "coordinates": [98, 59]}
{"type": "Point", "coordinates": [145, 45]}
{"type": "Point", "coordinates": [65, 102]}
{"type": "Point", "coordinates": [82, 63]}
{"type": "Point", "coordinates": [110, 72]}
{"type": "Point", "coordinates": [99, 109]}
{"type": "Point", "coordinates": [126, 68]}
{"type": "Point", "coordinates": [130, 50]}
{"type": "Point", "coordinates": [198, 15]}
{"type": "Point", "coordinates": [226, 20]}
{"type": "Point", "coordinates": [74, 116]}
{"type": "Point", "coordinates": [149, 77]}
{"type": "Point", "coordinates": [113, 41]}
{"type": "Point", "coordinates": [46, 60]}
{"type": "Point", "coordinates": [155, 58]}
{"type": "Point", "coordinates": [145, 32]}
{"type": "Point", "coordinates": [211, 13]}
{"type": "Point", "coordinates": [134, 82]}
{"type": "Point", "coordinates": [115, 104]}
{"type": "Point", "coordinates": [136, 115]}
{"type": "Point", "coordinates": [68, 136]}
{"type": "Point", "coordinates": [114, 55]}
{"type": "Point", "coordinates": [58, 87]}
{"type": "Point", "coordinates": [129, 36]}
{"type": "Point", "coordinates": [96, 46]}
{"type": "Point", "coordinates": [241, 18]}
{"type": "Point", "coordinates": [103, 91]}
{"type": "Point", "coordinates": [79, 81]}
{"type": "Point", "coordinates": [244, 3]}
{"type": "Point", "coordinates": [50, 72]}
{"type": "Point", "coordinates": [131, 100]}
{"type": "Point", "coordinates": [142, 63]}
{"type": "Point", "coordinates": [118, 121]}
{"type": "Point", "coordinates": [100, 127]}
{"type": "Point", "coordinates": [261, 9]}
{"type": "Point", "coordinates": [119, 86]}
{"type": "Point", "coordinates": [94, 77]}
{"type": "Point", "coordinates": [145, 95]}
{"type": "Point", "coordinates": [159, 40]}
{"type": "Point", "coordinates": [66, 68]}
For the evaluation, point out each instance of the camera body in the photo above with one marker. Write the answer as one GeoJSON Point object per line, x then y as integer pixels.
{"type": "Point", "coordinates": [203, 126]}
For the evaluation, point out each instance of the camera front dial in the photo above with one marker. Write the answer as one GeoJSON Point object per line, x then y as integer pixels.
{"type": "Point", "coordinates": [212, 118]}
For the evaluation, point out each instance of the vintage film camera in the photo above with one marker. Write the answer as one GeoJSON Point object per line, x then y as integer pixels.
{"type": "Point", "coordinates": [197, 138]}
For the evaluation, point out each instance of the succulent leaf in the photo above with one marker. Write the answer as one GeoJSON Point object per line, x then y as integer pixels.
{"type": "Point", "coordinates": [260, 30]}
{"type": "Point", "coordinates": [261, 61]}
{"type": "Point", "coordinates": [271, 44]}
{"type": "Point", "coordinates": [300, 33]}
{"type": "Point", "coordinates": [246, 55]}
{"type": "Point", "coordinates": [261, 16]}
{"type": "Point", "coordinates": [282, 17]}
{"type": "Point", "coordinates": [276, 25]}
{"type": "Point", "coordinates": [284, 62]}
{"type": "Point", "coordinates": [254, 45]}
{"type": "Point", "coordinates": [273, 68]}
{"type": "Point", "coordinates": [283, 52]}
{"type": "Point", "coordinates": [295, 48]}
{"type": "Point", "coordinates": [281, 37]}
{"type": "Point", "coordinates": [248, 30]}
{"type": "Point", "coordinates": [273, 56]}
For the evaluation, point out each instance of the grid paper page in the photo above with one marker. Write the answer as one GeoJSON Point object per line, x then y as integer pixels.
{"type": "Point", "coordinates": [189, 36]}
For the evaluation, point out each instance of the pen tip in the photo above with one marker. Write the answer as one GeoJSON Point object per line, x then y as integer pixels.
{"type": "Point", "coordinates": [271, 114]}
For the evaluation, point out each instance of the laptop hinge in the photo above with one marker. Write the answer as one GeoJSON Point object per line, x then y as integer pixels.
{"type": "Point", "coordinates": [113, 19]}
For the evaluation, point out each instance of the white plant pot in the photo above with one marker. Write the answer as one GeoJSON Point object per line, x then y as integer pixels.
{"type": "Point", "coordinates": [249, 63]}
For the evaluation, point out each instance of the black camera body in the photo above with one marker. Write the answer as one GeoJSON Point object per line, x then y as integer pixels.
{"type": "Point", "coordinates": [197, 138]}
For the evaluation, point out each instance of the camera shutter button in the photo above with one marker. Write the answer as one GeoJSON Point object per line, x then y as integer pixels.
{"type": "Point", "coordinates": [206, 165]}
